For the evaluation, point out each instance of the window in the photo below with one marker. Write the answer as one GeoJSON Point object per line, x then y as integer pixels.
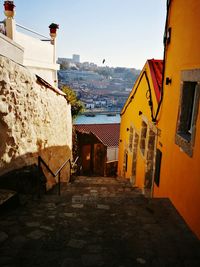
{"type": "Point", "coordinates": [125, 163]}
{"type": "Point", "coordinates": [143, 136]}
{"type": "Point", "coordinates": [131, 139]}
{"type": "Point", "coordinates": [157, 167]}
{"type": "Point", "coordinates": [186, 119]}
{"type": "Point", "coordinates": [188, 111]}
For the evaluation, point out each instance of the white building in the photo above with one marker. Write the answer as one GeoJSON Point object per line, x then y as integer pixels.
{"type": "Point", "coordinates": [76, 58]}
{"type": "Point", "coordinates": [39, 55]}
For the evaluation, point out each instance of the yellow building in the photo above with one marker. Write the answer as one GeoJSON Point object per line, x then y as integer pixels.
{"type": "Point", "coordinates": [178, 145]}
{"type": "Point", "coordinates": [138, 129]}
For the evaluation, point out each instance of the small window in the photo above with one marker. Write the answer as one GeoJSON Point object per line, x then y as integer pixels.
{"type": "Point", "coordinates": [188, 111]}
{"type": "Point", "coordinates": [131, 139]}
{"type": "Point", "coordinates": [143, 136]}
{"type": "Point", "coordinates": [157, 167]}
{"type": "Point", "coordinates": [126, 162]}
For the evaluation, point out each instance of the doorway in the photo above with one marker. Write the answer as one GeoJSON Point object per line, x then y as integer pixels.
{"type": "Point", "coordinates": [99, 159]}
{"type": "Point", "coordinates": [86, 159]}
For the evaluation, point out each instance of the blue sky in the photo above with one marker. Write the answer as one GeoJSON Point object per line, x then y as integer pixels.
{"type": "Point", "coordinates": [124, 32]}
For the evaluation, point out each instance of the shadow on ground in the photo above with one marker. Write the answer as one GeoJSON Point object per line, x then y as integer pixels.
{"type": "Point", "coordinates": [96, 222]}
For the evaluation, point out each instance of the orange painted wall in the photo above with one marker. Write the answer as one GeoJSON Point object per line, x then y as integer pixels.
{"type": "Point", "coordinates": [131, 118]}
{"type": "Point", "coordinates": [180, 174]}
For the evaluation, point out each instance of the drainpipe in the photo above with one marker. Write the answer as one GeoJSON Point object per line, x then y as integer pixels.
{"type": "Point", "coordinates": [164, 59]}
{"type": "Point", "coordinates": [53, 33]}
{"type": "Point", "coordinates": [55, 76]}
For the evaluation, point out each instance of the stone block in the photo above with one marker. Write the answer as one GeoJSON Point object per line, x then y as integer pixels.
{"type": "Point", "coordinates": [3, 237]}
{"type": "Point", "coordinates": [103, 207]}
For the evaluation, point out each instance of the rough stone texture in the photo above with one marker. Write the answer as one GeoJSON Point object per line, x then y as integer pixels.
{"type": "Point", "coordinates": [76, 243]}
{"type": "Point", "coordinates": [37, 234]}
{"type": "Point", "coordinates": [3, 237]}
{"type": "Point", "coordinates": [33, 120]}
{"type": "Point", "coordinates": [103, 207]}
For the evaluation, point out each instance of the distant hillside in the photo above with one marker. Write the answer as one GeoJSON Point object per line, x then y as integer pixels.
{"type": "Point", "coordinates": [98, 87]}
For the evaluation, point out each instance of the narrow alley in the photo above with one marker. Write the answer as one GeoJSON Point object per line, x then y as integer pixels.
{"type": "Point", "coordinates": [96, 222]}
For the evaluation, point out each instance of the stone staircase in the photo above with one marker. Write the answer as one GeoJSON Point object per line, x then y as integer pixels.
{"type": "Point", "coordinates": [19, 185]}
{"type": "Point", "coordinates": [97, 221]}
{"type": "Point", "coordinates": [8, 199]}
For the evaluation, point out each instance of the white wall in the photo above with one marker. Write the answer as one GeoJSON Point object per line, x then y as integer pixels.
{"type": "Point", "coordinates": [11, 49]}
{"type": "Point", "coordinates": [39, 57]}
{"type": "Point", "coordinates": [112, 153]}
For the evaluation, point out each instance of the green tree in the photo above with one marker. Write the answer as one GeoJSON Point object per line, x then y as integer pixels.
{"type": "Point", "coordinates": [76, 105]}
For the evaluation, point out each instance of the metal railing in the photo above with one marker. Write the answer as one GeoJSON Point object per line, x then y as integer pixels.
{"type": "Point", "coordinates": [73, 164]}
{"type": "Point", "coordinates": [34, 32]}
{"type": "Point", "coordinates": [41, 160]}
{"type": "Point", "coordinates": [2, 27]}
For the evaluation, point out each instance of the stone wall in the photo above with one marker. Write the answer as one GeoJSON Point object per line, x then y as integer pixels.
{"type": "Point", "coordinates": [34, 120]}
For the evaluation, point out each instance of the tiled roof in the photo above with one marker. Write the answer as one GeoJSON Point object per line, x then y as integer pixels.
{"type": "Point", "coordinates": [108, 134]}
{"type": "Point", "coordinates": [156, 69]}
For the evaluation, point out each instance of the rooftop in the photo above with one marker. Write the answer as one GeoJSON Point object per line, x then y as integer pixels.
{"type": "Point", "coordinates": [156, 69]}
{"type": "Point", "coordinates": [108, 134]}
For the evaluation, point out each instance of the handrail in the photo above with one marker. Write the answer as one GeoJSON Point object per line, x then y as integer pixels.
{"type": "Point", "coordinates": [27, 29]}
{"type": "Point", "coordinates": [40, 160]}
{"type": "Point", "coordinates": [75, 162]}
{"type": "Point", "coordinates": [62, 166]}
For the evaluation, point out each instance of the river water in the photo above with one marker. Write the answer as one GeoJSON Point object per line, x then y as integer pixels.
{"type": "Point", "coordinates": [98, 119]}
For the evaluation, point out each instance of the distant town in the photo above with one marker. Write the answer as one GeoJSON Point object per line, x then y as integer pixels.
{"type": "Point", "coordinates": [101, 89]}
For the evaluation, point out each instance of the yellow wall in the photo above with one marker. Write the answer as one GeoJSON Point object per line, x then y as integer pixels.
{"type": "Point", "coordinates": [180, 174]}
{"type": "Point", "coordinates": [132, 118]}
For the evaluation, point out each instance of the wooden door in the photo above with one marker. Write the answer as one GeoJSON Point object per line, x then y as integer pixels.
{"type": "Point", "coordinates": [86, 158]}
{"type": "Point", "coordinates": [99, 159]}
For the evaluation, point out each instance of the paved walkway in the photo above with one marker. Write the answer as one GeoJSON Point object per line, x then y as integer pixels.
{"type": "Point", "coordinates": [96, 222]}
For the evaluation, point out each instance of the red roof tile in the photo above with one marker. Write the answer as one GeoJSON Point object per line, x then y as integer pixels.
{"type": "Point", "coordinates": [108, 134]}
{"type": "Point", "coordinates": [156, 69]}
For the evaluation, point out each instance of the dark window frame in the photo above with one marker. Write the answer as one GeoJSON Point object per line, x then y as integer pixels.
{"type": "Point", "coordinates": [143, 137]}
{"type": "Point", "coordinates": [131, 139]}
{"type": "Point", "coordinates": [158, 167]}
{"type": "Point", "coordinates": [188, 110]}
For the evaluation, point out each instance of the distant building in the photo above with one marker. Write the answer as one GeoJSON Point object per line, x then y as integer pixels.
{"type": "Point", "coordinates": [76, 58]}
{"type": "Point", "coordinates": [62, 60]}
{"type": "Point", "coordinates": [89, 105]}
{"type": "Point", "coordinates": [79, 75]}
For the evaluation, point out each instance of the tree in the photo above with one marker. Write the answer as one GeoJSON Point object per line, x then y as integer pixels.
{"type": "Point", "coordinates": [76, 105]}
